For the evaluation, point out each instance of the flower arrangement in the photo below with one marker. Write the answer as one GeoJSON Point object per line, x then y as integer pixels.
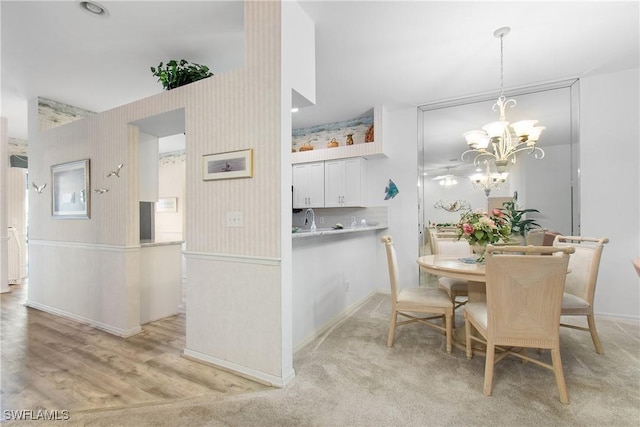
{"type": "Point", "coordinates": [480, 228]}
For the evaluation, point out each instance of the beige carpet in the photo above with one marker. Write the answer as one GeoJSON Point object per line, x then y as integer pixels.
{"type": "Point", "coordinates": [350, 378]}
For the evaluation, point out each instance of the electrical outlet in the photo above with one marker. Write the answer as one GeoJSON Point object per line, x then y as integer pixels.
{"type": "Point", "coordinates": [234, 219]}
{"type": "Point", "coordinates": [321, 220]}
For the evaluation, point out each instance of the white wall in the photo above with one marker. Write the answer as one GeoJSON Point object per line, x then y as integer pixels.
{"type": "Point", "coordinates": [4, 238]}
{"type": "Point", "coordinates": [332, 273]}
{"type": "Point", "coordinates": [16, 211]}
{"type": "Point", "coordinates": [171, 177]}
{"type": "Point", "coordinates": [400, 143]}
{"type": "Point", "coordinates": [148, 167]}
{"type": "Point", "coordinates": [610, 182]}
{"type": "Point", "coordinates": [297, 73]}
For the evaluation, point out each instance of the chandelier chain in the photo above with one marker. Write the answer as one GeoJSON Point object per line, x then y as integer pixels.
{"type": "Point", "coordinates": [502, 66]}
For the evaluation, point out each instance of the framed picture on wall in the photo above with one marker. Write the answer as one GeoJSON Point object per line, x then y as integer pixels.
{"type": "Point", "coordinates": [167, 204]}
{"type": "Point", "coordinates": [70, 195]}
{"type": "Point", "coordinates": [232, 164]}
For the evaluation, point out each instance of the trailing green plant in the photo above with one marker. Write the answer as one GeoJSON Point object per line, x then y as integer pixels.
{"type": "Point", "coordinates": [179, 73]}
{"type": "Point", "coordinates": [519, 224]}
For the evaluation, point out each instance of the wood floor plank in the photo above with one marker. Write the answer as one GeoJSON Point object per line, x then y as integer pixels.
{"type": "Point", "coordinates": [50, 362]}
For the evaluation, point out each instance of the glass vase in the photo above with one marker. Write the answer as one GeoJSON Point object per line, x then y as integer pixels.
{"type": "Point", "coordinates": [479, 249]}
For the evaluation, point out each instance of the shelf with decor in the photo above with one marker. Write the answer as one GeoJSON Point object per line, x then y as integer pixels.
{"type": "Point", "coordinates": [329, 141]}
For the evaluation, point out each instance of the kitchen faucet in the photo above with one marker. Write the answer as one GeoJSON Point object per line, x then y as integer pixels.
{"type": "Point", "coordinates": [313, 219]}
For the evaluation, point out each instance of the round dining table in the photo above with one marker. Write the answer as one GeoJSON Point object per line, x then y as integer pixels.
{"type": "Point", "coordinates": [456, 268]}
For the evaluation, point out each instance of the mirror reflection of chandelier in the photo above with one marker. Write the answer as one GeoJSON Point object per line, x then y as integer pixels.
{"type": "Point", "coordinates": [487, 181]}
{"type": "Point", "coordinates": [448, 181]}
{"type": "Point", "coordinates": [505, 143]}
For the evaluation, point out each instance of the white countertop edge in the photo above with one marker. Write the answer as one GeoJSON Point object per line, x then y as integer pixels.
{"type": "Point", "coordinates": [332, 232]}
{"type": "Point", "coordinates": [162, 243]}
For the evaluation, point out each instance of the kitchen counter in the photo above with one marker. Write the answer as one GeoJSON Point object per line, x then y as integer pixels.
{"type": "Point", "coordinates": [305, 233]}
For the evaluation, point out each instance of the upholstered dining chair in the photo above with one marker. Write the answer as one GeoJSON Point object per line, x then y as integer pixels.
{"type": "Point", "coordinates": [415, 301]}
{"type": "Point", "coordinates": [524, 296]}
{"type": "Point", "coordinates": [580, 288]}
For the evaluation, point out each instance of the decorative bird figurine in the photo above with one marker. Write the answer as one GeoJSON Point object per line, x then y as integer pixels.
{"type": "Point", "coordinates": [101, 190]}
{"type": "Point", "coordinates": [391, 191]}
{"type": "Point", "coordinates": [116, 172]}
{"type": "Point", "coordinates": [39, 188]}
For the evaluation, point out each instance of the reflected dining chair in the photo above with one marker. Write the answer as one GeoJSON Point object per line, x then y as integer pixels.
{"type": "Point", "coordinates": [580, 288]}
{"type": "Point", "coordinates": [409, 302]}
{"type": "Point", "coordinates": [524, 296]}
{"type": "Point", "coordinates": [454, 287]}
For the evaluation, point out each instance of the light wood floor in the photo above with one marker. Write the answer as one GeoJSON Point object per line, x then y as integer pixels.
{"type": "Point", "coordinates": [49, 362]}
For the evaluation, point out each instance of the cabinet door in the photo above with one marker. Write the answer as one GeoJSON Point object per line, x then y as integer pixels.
{"type": "Point", "coordinates": [354, 176]}
{"type": "Point", "coordinates": [300, 184]}
{"type": "Point", "coordinates": [344, 183]}
{"type": "Point", "coordinates": [308, 185]}
{"type": "Point", "coordinates": [334, 183]}
{"type": "Point", "coordinates": [316, 185]}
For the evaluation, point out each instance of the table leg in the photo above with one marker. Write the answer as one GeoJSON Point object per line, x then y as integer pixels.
{"type": "Point", "coordinates": [477, 293]}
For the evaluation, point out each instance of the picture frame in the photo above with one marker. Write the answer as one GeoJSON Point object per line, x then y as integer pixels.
{"type": "Point", "coordinates": [167, 204]}
{"type": "Point", "coordinates": [70, 190]}
{"type": "Point", "coordinates": [228, 165]}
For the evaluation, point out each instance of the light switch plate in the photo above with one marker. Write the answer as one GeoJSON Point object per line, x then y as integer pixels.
{"type": "Point", "coordinates": [234, 219]}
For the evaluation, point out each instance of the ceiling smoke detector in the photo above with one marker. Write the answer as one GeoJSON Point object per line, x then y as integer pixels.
{"type": "Point", "coordinates": [94, 8]}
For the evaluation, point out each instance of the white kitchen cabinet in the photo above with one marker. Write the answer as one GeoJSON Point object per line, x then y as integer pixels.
{"type": "Point", "coordinates": [344, 182]}
{"type": "Point", "coordinates": [308, 185]}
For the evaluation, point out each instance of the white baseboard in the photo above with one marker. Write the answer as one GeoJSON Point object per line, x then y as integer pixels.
{"type": "Point", "coordinates": [124, 333]}
{"type": "Point", "coordinates": [243, 371]}
{"type": "Point", "coordinates": [346, 313]}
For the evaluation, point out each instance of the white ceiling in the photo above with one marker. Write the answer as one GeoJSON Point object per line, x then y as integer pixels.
{"type": "Point", "coordinates": [367, 53]}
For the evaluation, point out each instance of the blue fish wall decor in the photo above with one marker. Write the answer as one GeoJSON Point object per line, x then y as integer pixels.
{"type": "Point", "coordinates": [391, 190]}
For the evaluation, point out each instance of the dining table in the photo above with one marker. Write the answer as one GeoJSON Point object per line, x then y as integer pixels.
{"type": "Point", "coordinates": [459, 268]}
{"type": "Point", "coordinates": [465, 269]}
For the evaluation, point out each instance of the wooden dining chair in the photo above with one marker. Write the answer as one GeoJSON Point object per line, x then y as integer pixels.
{"type": "Point", "coordinates": [524, 296]}
{"type": "Point", "coordinates": [580, 288]}
{"type": "Point", "coordinates": [414, 301]}
{"type": "Point", "coordinates": [455, 288]}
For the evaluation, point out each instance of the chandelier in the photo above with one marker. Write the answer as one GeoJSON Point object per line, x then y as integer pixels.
{"type": "Point", "coordinates": [448, 181]}
{"type": "Point", "coordinates": [487, 181]}
{"type": "Point", "coordinates": [505, 143]}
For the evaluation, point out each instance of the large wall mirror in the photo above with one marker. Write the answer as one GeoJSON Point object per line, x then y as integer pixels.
{"type": "Point", "coordinates": [549, 185]}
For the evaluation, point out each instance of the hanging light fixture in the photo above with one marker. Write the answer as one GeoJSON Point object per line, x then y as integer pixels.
{"type": "Point", "coordinates": [487, 181]}
{"type": "Point", "coordinates": [448, 181]}
{"type": "Point", "coordinates": [496, 141]}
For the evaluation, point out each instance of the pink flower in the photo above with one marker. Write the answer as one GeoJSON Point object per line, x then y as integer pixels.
{"type": "Point", "coordinates": [468, 229]}
{"type": "Point", "coordinates": [497, 212]}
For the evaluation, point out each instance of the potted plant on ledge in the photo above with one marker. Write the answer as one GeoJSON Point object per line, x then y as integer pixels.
{"type": "Point", "coordinates": [520, 225]}
{"type": "Point", "coordinates": [179, 73]}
